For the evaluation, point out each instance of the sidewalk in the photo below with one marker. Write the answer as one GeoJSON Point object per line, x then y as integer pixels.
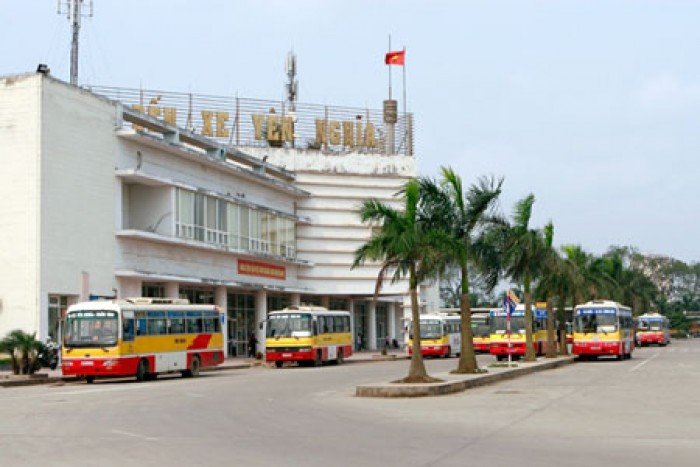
{"type": "Point", "coordinates": [456, 383]}
{"type": "Point", "coordinates": [47, 375]}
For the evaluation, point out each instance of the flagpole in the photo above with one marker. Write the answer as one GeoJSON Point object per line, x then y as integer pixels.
{"type": "Point", "coordinates": [405, 110]}
{"type": "Point", "coordinates": [510, 354]}
{"type": "Point", "coordinates": [389, 68]}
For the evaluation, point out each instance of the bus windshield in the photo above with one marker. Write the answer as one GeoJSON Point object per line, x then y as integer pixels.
{"type": "Point", "coordinates": [498, 324]}
{"type": "Point", "coordinates": [655, 325]}
{"type": "Point", "coordinates": [593, 323]}
{"type": "Point", "coordinates": [289, 325]}
{"type": "Point", "coordinates": [90, 329]}
{"type": "Point", "coordinates": [429, 329]}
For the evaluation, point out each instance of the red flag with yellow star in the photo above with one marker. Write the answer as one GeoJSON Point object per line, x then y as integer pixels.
{"type": "Point", "coordinates": [395, 58]}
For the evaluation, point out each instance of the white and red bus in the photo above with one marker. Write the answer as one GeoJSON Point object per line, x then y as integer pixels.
{"type": "Point", "coordinates": [603, 327]}
{"type": "Point", "coordinates": [653, 328]}
{"type": "Point", "coordinates": [140, 337]}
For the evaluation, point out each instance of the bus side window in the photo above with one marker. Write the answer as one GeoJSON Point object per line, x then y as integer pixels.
{"type": "Point", "coordinates": [128, 330]}
{"type": "Point", "coordinates": [141, 330]}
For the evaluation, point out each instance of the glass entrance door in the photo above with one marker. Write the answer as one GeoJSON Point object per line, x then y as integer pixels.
{"type": "Point", "coordinates": [241, 323]}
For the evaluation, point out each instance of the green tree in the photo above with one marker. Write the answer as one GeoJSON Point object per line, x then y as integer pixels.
{"type": "Point", "coordinates": [525, 254]}
{"type": "Point", "coordinates": [460, 214]}
{"type": "Point", "coordinates": [405, 247]}
{"type": "Point", "coordinates": [22, 348]}
{"type": "Point", "coordinates": [551, 281]}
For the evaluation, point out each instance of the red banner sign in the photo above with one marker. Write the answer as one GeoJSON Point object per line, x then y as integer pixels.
{"type": "Point", "coordinates": [260, 269]}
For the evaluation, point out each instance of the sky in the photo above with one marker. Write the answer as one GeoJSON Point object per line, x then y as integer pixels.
{"type": "Point", "coordinates": [591, 105]}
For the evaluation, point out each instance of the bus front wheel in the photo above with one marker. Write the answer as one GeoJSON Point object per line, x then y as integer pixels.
{"type": "Point", "coordinates": [89, 379]}
{"type": "Point", "coordinates": [319, 359]}
{"type": "Point", "coordinates": [339, 359]}
{"type": "Point", "coordinates": [279, 363]}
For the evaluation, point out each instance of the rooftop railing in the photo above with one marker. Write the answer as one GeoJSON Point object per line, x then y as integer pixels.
{"type": "Point", "coordinates": [242, 122]}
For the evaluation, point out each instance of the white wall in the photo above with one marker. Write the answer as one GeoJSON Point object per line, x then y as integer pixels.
{"type": "Point", "coordinates": [77, 192]}
{"type": "Point", "coordinates": [151, 208]}
{"type": "Point", "coordinates": [19, 222]}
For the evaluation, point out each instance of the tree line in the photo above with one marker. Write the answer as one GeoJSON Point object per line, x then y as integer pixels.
{"type": "Point", "coordinates": [447, 226]}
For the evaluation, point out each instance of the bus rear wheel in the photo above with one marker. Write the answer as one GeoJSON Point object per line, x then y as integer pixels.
{"type": "Point", "coordinates": [318, 361]}
{"type": "Point", "coordinates": [339, 358]}
{"type": "Point", "coordinates": [142, 370]}
{"type": "Point", "coordinates": [279, 363]}
{"type": "Point", "coordinates": [195, 366]}
{"type": "Point", "coordinates": [89, 379]}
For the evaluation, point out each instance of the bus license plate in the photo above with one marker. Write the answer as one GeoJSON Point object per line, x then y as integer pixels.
{"type": "Point", "coordinates": [87, 363]}
{"type": "Point", "coordinates": [286, 355]}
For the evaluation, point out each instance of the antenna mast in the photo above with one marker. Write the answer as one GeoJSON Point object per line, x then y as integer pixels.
{"type": "Point", "coordinates": [73, 11]}
{"type": "Point", "coordinates": [292, 85]}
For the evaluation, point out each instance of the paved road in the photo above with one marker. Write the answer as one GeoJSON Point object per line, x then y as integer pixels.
{"type": "Point", "coordinates": [645, 411]}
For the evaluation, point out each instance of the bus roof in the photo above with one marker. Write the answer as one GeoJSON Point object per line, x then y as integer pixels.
{"type": "Point", "coordinates": [310, 309]}
{"type": "Point", "coordinates": [119, 305]}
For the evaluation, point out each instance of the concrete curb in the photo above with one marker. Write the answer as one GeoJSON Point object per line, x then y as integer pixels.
{"type": "Point", "coordinates": [30, 381]}
{"type": "Point", "coordinates": [449, 387]}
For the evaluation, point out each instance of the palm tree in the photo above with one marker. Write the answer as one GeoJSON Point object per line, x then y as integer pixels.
{"type": "Point", "coordinates": [24, 344]}
{"type": "Point", "coordinates": [550, 284]}
{"type": "Point", "coordinates": [525, 253]}
{"type": "Point", "coordinates": [406, 247]}
{"type": "Point", "coordinates": [460, 214]}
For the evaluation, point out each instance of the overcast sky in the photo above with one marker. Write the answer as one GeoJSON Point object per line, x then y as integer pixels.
{"type": "Point", "coordinates": [591, 105]}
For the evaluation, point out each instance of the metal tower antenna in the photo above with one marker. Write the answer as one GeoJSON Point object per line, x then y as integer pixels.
{"type": "Point", "coordinates": [292, 85]}
{"type": "Point", "coordinates": [73, 11]}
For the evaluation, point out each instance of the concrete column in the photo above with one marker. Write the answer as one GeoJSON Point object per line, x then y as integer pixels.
{"type": "Point", "coordinates": [372, 318]}
{"type": "Point", "coordinates": [221, 300]}
{"type": "Point", "coordinates": [295, 299]}
{"type": "Point", "coordinates": [260, 316]}
{"type": "Point", "coordinates": [391, 320]}
{"type": "Point", "coordinates": [128, 287]}
{"type": "Point", "coordinates": [172, 290]}
{"type": "Point", "coordinates": [325, 301]}
{"type": "Point", "coordinates": [351, 309]}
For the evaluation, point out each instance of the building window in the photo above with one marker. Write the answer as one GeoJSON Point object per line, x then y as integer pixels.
{"type": "Point", "coordinates": [277, 302]}
{"type": "Point", "coordinates": [314, 300]}
{"type": "Point", "coordinates": [338, 304]}
{"type": "Point", "coordinates": [153, 290]}
{"type": "Point", "coordinates": [58, 305]}
{"type": "Point", "coordinates": [197, 296]}
{"type": "Point", "coordinates": [217, 221]}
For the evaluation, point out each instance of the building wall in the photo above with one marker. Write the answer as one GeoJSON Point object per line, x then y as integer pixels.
{"type": "Point", "coordinates": [20, 136]}
{"type": "Point", "coordinates": [338, 185]}
{"type": "Point", "coordinates": [77, 194]}
{"type": "Point", "coordinates": [150, 208]}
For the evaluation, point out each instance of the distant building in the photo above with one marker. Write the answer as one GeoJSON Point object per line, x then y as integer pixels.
{"type": "Point", "coordinates": [116, 193]}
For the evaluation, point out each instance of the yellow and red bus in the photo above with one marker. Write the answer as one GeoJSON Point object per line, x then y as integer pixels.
{"type": "Point", "coordinates": [140, 337]}
{"type": "Point", "coordinates": [439, 335]}
{"type": "Point", "coordinates": [499, 341]}
{"type": "Point", "coordinates": [481, 332]}
{"type": "Point", "coordinates": [603, 327]}
{"type": "Point", "coordinates": [653, 328]}
{"type": "Point", "coordinates": [307, 335]}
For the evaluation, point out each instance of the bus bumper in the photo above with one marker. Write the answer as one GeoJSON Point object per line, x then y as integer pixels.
{"type": "Point", "coordinates": [597, 348]}
{"type": "Point", "coordinates": [431, 350]}
{"type": "Point", "coordinates": [645, 339]}
{"type": "Point", "coordinates": [115, 366]}
{"type": "Point", "coordinates": [482, 347]}
{"type": "Point", "coordinates": [289, 355]}
{"type": "Point", "coordinates": [501, 348]}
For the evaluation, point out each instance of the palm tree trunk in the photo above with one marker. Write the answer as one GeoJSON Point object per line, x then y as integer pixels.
{"type": "Point", "coordinates": [417, 368]}
{"type": "Point", "coordinates": [551, 340]}
{"type": "Point", "coordinates": [529, 349]}
{"type": "Point", "coordinates": [467, 359]}
{"type": "Point", "coordinates": [561, 316]}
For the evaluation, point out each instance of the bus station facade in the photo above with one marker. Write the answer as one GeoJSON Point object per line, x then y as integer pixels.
{"type": "Point", "coordinates": [246, 204]}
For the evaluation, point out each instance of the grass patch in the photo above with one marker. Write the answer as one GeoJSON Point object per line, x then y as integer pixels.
{"type": "Point", "coordinates": [503, 365]}
{"type": "Point", "coordinates": [417, 379]}
{"type": "Point", "coordinates": [477, 371]}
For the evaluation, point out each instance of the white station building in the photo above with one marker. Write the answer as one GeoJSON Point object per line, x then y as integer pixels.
{"type": "Point", "coordinates": [248, 204]}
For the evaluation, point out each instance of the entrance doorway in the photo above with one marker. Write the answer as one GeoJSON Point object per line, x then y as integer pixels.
{"type": "Point", "coordinates": [241, 323]}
